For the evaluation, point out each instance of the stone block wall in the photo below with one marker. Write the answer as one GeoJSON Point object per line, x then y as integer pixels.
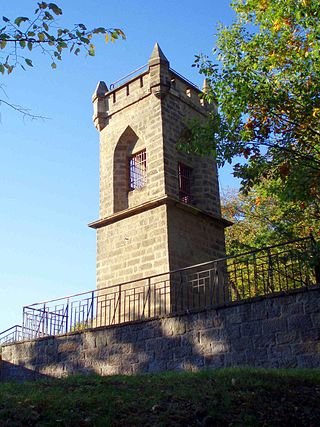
{"type": "Point", "coordinates": [132, 248]}
{"type": "Point", "coordinates": [180, 107]}
{"type": "Point", "coordinates": [272, 332]}
{"type": "Point", "coordinates": [132, 128]}
{"type": "Point", "coordinates": [193, 238]}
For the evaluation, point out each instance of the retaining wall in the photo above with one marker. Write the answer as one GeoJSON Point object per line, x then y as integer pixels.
{"type": "Point", "coordinates": [272, 332]}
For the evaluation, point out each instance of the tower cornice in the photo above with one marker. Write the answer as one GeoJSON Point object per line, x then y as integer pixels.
{"type": "Point", "coordinates": [154, 203]}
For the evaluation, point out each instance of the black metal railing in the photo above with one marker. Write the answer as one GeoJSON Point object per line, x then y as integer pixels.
{"type": "Point", "coordinates": [128, 77]}
{"type": "Point", "coordinates": [261, 272]}
{"type": "Point", "coordinates": [12, 334]}
{"type": "Point", "coordinates": [16, 333]}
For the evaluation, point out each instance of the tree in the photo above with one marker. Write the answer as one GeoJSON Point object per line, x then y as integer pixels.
{"type": "Point", "coordinates": [260, 218]}
{"type": "Point", "coordinates": [19, 37]}
{"type": "Point", "coordinates": [267, 87]}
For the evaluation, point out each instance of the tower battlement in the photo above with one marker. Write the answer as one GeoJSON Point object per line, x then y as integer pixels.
{"type": "Point", "coordinates": [108, 102]}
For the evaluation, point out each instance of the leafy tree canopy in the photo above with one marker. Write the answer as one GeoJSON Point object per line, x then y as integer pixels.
{"type": "Point", "coordinates": [266, 83]}
{"type": "Point", "coordinates": [20, 36]}
{"type": "Point", "coordinates": [261, 219]}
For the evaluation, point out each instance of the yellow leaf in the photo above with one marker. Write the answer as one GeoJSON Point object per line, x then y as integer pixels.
{"type": "Point", "coordinates": [276, 25]}
{"type": "Point", "coordinates": [316, 112]}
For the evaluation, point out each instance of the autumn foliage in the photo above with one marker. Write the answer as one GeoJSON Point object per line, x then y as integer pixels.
{"type": "Point", "coordinates": [265, 79]}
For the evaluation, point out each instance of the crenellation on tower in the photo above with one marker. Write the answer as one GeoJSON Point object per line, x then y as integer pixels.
{"type": "Point", "coordinates": [100, 106]}
{"type": "Point", "coordinates": [186, 92]}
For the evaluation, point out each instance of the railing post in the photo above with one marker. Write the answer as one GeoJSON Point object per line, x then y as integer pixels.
{"type": "Point", "coordinates": [270, 271]}
{"type": "Point", "coordinates": [45, 320]}
{"type": "Point", "coordinates": [119, 305]}
{"type": "Point", "coordinates": [317, 273]}
{"type": "Point", "coordinates": [316, 254]}
{"type": "Point", "coordinates": [92, 306]}
{"type": "Point", "coordinates": [23, 321]}
{"type": "Point", "coordinates": [149, 298]}
{"type": "Point", "coordinates": [255, 275]}
{"type": "Point", "coordinates": [67, 316]}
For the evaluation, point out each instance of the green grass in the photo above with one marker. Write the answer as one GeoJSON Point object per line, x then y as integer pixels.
{"type": "Point", "coordinates": [227, 397]}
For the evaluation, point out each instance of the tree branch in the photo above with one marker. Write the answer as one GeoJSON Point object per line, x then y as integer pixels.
{"type": "Point", "coordinates": [25, 112]}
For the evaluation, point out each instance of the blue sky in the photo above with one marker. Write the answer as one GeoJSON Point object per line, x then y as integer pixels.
{"type": "Point", "coordinates": [49, 182]}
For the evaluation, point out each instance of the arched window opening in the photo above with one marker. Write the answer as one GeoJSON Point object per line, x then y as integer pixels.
{"type": "Point", "coordinates": [129, 170]}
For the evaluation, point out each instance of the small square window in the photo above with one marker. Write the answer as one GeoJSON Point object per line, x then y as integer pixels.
{"type": "Point", "coordinates": [184, 175]}
{"type": "Point", "coordinates": [138, 170]}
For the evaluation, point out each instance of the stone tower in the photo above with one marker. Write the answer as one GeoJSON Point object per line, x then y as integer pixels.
{"type": "Point", "coordinates": [159, 207]}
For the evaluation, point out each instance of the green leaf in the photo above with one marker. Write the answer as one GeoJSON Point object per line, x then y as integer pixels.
{"type": "Point", "coordinates": [8, 67]}
{"type": "Point", "coordinates": [2, 69]}
{"type": "Point", "coordinates": [42, 5]}
{"type": "Point", "coordinates": [41, 37]}
{"type": "Point", "coordinates": [28, 62]}
{"type": "Point", "coordinates": [91, 50]}
{"type": "Point", "coordinates": [45, 26]}
{"type": "Point", "coordinates": [121, 33]}
{"type": "Point", "coordinates": [48, 16]}
{"type": "Point", "coordinates": [99, 30]}
{"type": "Point", "coordinates": [30, 45]}
{"type": "Point", "coordinates": [20, 19]}
{"type": "Point", "coordinates": [114, 35]}
{"type": "Point", "coordinates": [3, 44]}
{"type": "Point", "coordinates": [85, 40]}
{"type": "Point", "coordinates": [54, 65]}
{"type": "Point", "coordinates": [5, 19]}
{"type": "Point", "coordinates": [55, 9]}
{"type": "Point", "coordinates": [22, 44]}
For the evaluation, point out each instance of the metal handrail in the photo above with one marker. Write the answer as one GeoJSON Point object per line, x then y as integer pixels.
{"type": "Point", "coordinates": [202, 264]}
{"type": "Point", "coordinates": [185, 79]}
{"type": "Point", "coordinates": [12, 327]}
{"type": "Point", "coordinates": [112, 85]}
{"type": "Point", "coordinates": [210, 284]}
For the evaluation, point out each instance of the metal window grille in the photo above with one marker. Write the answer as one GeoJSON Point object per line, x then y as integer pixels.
{"type": "Point", "coordinates": [184, 173]}
{"type": "Point", "coordinates": [138, 170]}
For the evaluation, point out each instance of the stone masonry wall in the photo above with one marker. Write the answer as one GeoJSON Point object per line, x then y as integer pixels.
{"type": "Point", "coordinates": [178, 110]}
{"type": "Point", "coordinates": [143, 120]}
{"type": "Point", "coordinates": [206, 244]}
{"type": "Point", "coordinates": [271, 332]}
{"type": "Point", "coordinates": [133, 247]}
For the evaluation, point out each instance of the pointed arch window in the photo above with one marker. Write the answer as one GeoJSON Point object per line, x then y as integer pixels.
{"type": "Point", "coordinates": [129, 170]}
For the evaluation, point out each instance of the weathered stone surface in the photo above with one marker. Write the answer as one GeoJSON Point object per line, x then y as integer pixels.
{"type": "Point", "coordinates": [179, 342]}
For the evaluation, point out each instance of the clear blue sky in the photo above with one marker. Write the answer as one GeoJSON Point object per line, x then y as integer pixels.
{"type": "Point", "coordinates": [49, 182]}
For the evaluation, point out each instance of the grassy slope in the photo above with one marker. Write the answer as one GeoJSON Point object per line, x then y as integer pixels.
{"type": "Point", "coordinates": [237, 397]}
